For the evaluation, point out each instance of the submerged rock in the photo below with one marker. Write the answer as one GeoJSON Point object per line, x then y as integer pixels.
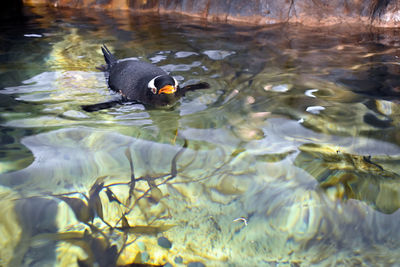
{"type": "Point", "coordinates": [164, 242]}
{"type": "Point", "coordinates": [196, 264]}
{"type": "Point", "coordinates": [178, 259]}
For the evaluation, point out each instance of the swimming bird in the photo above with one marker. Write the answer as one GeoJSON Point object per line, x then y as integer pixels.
{"type": "Point", "coordinates": [140, 82]}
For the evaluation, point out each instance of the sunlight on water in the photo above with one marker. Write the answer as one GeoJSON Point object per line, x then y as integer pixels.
{"type": "Point", "coordinates": [290, 158]}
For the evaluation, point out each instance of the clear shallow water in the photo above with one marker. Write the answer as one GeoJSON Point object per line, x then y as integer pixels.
{"type": "Point", "coordinates": [290, 158]}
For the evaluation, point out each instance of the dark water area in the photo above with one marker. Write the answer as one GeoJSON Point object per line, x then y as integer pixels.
{"type": "Point", "coordinates": [291, 157]}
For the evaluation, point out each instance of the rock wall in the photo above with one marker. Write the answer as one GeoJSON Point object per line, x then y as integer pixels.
{"type": "Point", "coordinates": [384, 13]}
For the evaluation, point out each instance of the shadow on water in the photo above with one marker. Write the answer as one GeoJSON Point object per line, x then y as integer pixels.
{"type": "Point", "coordinates": [291, 157]}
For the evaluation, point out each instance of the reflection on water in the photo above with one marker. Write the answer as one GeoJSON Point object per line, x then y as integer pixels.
{"type": "Point", "coordinates": [291, 157]}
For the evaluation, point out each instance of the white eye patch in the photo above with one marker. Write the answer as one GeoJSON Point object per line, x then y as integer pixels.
{"type": "Point", "coordinates": [176, 83]}
{"type": "Point", "coordinates": [151, 85]}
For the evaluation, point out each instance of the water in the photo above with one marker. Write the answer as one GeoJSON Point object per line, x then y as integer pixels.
{"type": "Point", "coordinates": [290, 158]}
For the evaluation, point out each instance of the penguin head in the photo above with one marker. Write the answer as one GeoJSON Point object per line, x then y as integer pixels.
{"type": "Point", "coordinates": [163, 84]}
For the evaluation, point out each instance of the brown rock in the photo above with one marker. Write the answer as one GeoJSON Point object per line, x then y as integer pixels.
{"type": "Point", "coordinates": [383, 13]}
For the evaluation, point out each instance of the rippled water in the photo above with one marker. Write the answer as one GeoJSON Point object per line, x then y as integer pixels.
{"type": "Point", "coordinates": [290, 158]}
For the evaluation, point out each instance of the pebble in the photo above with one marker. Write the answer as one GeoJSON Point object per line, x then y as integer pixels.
{"type": "Point", "coordinates": [164, 242]}
{"type": "Point", "coordinates": [178, 259]}
{"type": "Point", "coordinates": [196, 264]}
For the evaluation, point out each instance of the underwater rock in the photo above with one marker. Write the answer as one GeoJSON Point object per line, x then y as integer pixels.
{"type": "Point", "coordinates": [196, 264]}
{"type": "Point", "coordinates": [229, 185]}
{"type": "Point", "coordinates": [164, 242]}
{"type": "Point", "coordinates": [178, 259]}
{"type": "Point", "coordinates": [353, 176]}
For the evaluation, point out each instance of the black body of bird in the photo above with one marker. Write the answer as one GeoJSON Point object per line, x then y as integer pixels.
{"type": "Point", "coordinates": [140, 82]}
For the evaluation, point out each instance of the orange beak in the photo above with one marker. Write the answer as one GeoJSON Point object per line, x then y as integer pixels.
{"type": "Point", "coordinates": [168, 89]}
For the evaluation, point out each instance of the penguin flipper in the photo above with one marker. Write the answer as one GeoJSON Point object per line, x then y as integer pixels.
{"type": "Point", "coordinates": [194, 87]}
{"type": "Point", "coordinates": [108, 56]}
{"type": "Point", "coordinates": [100, 106]}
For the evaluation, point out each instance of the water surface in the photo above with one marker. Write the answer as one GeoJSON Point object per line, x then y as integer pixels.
{"type": "Point", "coordinates": [291, 157]}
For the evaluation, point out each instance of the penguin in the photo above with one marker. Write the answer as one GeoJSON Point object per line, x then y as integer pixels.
{"type": "Point", "coordinates": [140, 82]}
